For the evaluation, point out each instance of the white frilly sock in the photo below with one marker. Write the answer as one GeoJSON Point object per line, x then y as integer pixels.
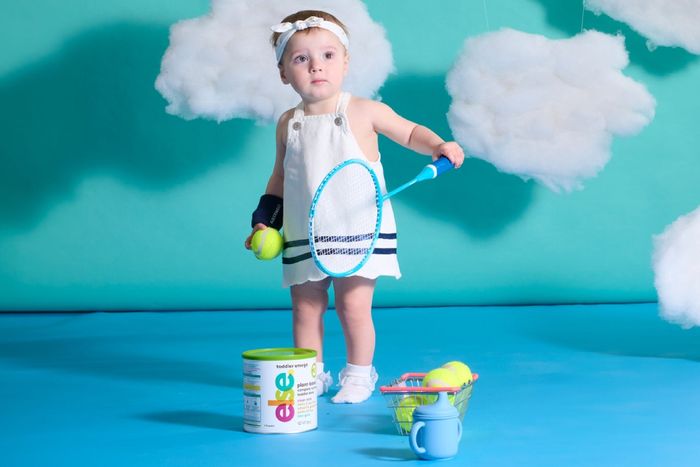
{"type": "Point", "coordinates": [324, 381]}
{"type": "Point", "coordinates": [356, 384]}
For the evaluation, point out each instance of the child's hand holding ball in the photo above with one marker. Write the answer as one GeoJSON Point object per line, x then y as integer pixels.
{"type": "Point", "coordinates": [266, 243]}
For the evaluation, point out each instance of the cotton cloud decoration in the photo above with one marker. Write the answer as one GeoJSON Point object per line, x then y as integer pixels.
{"type": "Point", "coordinates": [677, 270]}
{"type": "Point", "coordinates": [545, 109]}
{"type": "Point", "coordinates": [221, 65]}
{"type": "Point", "coordinates": [663, 22]}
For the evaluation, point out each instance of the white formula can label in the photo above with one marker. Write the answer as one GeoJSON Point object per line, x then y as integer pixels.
{"type": "Point", "coordinates": [279, 390]}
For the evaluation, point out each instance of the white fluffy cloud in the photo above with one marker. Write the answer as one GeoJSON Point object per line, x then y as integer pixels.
{"type": "Point", "coordinates": [663, 22]}
{"type": "Point", "coordinates": [677, 270]}
{"type": "Point", "coordinates": [545, 109]}
{"type": "Point", "coordinates": [222, 66]}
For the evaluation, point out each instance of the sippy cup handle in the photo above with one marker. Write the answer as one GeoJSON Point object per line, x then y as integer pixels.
{"type": "Point", "coordinates": [459, 430]}
{"type": "Point", "coordinates": [414, 433]}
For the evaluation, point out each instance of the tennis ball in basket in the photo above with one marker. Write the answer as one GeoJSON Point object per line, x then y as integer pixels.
{"type": "Point", "coordinates": [464, 374]}
{"type": "Point", "coordinates": [266, 243]}
{"type": "Point", "coordinates": [404, 411]}
{"type": "Point", "coordinates": [441, 378]}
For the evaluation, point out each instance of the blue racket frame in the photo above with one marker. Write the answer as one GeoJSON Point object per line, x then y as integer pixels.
{"type": "Point", "coordinates": [379, 199]}
{"type": "Point", "coordinates": [429, 172]}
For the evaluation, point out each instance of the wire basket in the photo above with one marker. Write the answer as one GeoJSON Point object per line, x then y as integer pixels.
{"type": "Point", "coordinates": [406, 393]}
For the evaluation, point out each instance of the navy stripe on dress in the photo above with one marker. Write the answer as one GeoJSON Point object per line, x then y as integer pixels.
{"type": "Point", "coordinates": [345, 238]}
{"type": "Point", "coordinates": [332, 251]}
{"type": "Point", "coordinates": [337, 250]}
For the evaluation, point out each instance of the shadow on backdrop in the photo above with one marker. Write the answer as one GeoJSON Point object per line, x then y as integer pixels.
{"type": "Point", "coordinates": [477, 197]}
{"type": "Point", "coordinates": [92, 106]}
{"type": "Point", "coordinates": [566, 16]}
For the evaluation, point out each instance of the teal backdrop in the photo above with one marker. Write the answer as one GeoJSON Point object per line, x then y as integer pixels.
{"type": "Point", "coordinates": [108, 203]}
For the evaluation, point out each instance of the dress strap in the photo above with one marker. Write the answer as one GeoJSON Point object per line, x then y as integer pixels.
{"type": "Point", "coordinates": [343, 101]}
{"type": "Point", "coordinates": [299, 111]}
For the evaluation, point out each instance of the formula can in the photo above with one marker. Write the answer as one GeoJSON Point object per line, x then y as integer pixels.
{"type": "Point", "coordinates": [279, 390]}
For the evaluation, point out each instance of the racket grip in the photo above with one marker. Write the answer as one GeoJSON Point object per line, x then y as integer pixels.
{"type": "Point", "coordinates": [434, 169]}
{"type": "Point", "coordinates": [442, 165]}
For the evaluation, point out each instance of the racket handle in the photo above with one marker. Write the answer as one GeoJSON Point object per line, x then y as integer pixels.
{"type": "Point", "coordinates": [442, 165]}
{"type": "Point", "coordinates": [434, 169]}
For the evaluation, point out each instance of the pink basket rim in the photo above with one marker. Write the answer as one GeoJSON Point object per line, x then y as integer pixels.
{"type": "Point", "coordinates": [420, 389]}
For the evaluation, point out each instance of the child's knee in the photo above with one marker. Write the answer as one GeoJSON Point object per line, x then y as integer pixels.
{"type": "Point", "coordinates": [353, 313]}
{"type": "Point", "coordinates": [310, 292]}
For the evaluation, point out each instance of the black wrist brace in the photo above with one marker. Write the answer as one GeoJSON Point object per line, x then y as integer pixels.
{"type": "Point", "coordinates": [268, 212]}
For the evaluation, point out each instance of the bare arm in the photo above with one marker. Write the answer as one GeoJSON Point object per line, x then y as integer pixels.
{"type": "Point", "coordinates": [411, 135]}
{"type": "Point", "coordinates": [275, 184]}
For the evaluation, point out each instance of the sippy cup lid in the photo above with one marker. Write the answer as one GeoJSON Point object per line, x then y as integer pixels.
{"type": "Point", "coordinates": [440, 410]}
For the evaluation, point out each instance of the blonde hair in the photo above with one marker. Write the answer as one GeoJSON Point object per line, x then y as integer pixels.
{"type": "Point", "coordinates": [301, 16]}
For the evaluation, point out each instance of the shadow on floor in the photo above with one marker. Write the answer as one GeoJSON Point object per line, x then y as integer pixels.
{"type": "Point", "coordinates": [196, 418]}
{"type": "Point", "coordinates": [94, 357]}
{"type": "Point", "coordinates": [634, 331]}
{"type": "Point", "coordinates": [389, 454]}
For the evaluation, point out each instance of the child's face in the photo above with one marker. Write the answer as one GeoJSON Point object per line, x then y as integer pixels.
{"type": "Point", "coordinates": [314, 64]}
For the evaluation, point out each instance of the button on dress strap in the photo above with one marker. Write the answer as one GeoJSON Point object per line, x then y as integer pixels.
{"type": "Point", "coordinates": [298, 116]}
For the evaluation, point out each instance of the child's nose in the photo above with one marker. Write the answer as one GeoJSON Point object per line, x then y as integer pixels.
{"type": "Point", "coordinates": [315, 64]}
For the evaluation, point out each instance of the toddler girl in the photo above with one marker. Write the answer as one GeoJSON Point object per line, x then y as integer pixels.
{"type": "Point", "coordinates": [327, 127]}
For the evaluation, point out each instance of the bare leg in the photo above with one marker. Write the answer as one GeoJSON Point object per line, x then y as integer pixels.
{"type": "Point", "coordinates": [309, 303]}
{"type": "Point", "coordinates": [353, 302]}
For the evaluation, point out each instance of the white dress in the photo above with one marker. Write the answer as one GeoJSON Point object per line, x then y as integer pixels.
{"type": "Point", "coordinates": [316, 144]}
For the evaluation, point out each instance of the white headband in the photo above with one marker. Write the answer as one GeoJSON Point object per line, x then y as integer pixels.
{"type": "Point", "coordinates": [287, 30]}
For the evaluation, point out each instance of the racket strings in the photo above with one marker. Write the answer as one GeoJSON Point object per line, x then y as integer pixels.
{"type": "Point", "coordinates": [346, 218]}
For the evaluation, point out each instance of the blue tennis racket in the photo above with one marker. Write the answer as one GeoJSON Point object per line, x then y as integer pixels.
{"type": "Point", "coordinates": [346, 214]}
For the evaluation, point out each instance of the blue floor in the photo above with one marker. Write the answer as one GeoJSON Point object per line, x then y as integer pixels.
{"type": "Point", "coordinates": [560, 386]}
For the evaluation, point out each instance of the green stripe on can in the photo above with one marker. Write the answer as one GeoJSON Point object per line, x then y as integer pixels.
{"type": "Point", "coordinates": [284, 353]}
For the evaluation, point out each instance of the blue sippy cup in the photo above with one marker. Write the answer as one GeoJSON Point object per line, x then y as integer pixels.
{"type": "Point", "coordinates": [436, 430]}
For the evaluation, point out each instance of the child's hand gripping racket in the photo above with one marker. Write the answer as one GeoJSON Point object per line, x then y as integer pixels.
{"type": "Point", "coordinates": [346, 214]}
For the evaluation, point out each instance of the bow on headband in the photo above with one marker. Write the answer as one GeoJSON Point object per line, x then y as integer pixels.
{"type": "Point", "coordinates": [287, 30]}
{"type": "Point", "coordinates": [310, 22]}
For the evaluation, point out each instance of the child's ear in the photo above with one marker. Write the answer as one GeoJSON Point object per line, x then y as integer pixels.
{"type": "Point", "coordinates": [283, 77]}
{"type": "Point", "coordinates": [346, 64]}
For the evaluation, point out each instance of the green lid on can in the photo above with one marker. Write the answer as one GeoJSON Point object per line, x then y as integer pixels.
{"type": "Point", "coordinates": [285, 353]}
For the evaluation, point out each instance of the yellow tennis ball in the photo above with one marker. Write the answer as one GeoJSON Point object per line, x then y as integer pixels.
{"type": "Point", "coordinates": [464, 374]}
{"type": "Point", "coordinates": [404, 412]}
{"type": "Point", "coordinates": [267, 243]}
{"type": "Point", "coordinates": [441, 378]}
